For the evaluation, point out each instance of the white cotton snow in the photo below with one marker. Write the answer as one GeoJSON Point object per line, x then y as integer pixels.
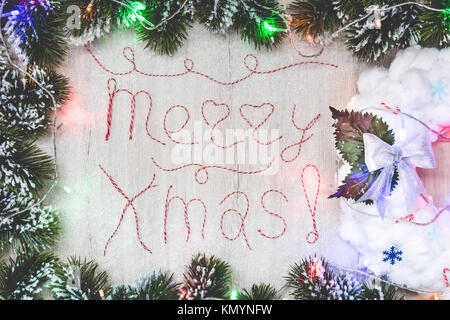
{"type": "Point", "coordinates": [417, 82]}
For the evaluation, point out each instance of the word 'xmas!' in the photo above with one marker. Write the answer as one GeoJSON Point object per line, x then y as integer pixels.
{"type": "Point", "coordinates": [241, 233]}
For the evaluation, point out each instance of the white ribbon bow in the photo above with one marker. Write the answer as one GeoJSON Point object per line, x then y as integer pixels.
{"type": "Point", "coordinates": [406, 156]}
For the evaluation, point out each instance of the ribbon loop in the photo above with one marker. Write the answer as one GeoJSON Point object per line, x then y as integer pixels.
{"type": "Point", "coordinates": [403, 158]}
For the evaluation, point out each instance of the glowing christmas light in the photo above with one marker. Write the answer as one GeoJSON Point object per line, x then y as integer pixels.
{"type": "Point", "coordinates": [89, 7]}
{"type": "Point", "coordinates": [446, 12]}
{"type": "Point", "coordinates": [132, 13]}
{"type": "Point", "coordinates": [269, 28]}
{"type": "Point", "coordinates": [67, 190]}
{"type": "Point", "coordinates": [310, 39]}
{"type": "Point", "coordinates": [234, 295]}
{"type": "Point", "coordinates": [377, 16]}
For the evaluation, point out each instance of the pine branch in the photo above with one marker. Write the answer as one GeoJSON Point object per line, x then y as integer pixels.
{"type": "Point", "coordinates": [380, 290]}
{"type": "Point", "coordinates": [97, 17]}
{"type": "Point", "coordinates": [216, 15]}
{"type": "Point", "coordinates": [24, 168]}
{"type": "Point", "coordinates": [206, 278]}
{"type": "Point", "coordinates": [35, 32]}
{"type": "Point", "coordinates": [25, 105]}
{"type": "Point", "coordinates": [79, 280]}
{"type": "Point", "coordinates": [371, 44]}
{"type": "Point", "coordinates": [261, 291]}
{"type": "Point", "coordinates": [261, 23]}
{"type": "Point", "coordinates": [434, 27]}
{"type": "Point", "coordinates": [24, 224]}
{"type": "Point", "coordinates": [157, 286]}
{"type": "Point", "coordinates": [313, 17]}
{"type": "Point", "coordinates": [169, 37]}
{"type": "Point", "coordinates": [311, 280]}
{"type": "Point", "coordinates": [349, 10]}
{"type": "Point", "coordinates": [23, 278]}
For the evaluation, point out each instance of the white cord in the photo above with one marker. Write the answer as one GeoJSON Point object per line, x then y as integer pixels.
{"type": "Point", "coordinates": [369, 275]}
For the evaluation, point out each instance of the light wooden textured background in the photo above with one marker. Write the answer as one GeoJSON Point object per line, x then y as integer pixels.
{"type": "Point", "coordinates": [91, 210]}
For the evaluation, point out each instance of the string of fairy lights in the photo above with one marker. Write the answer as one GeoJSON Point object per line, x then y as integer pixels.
{"type": "Point", "coordinates": [52, 97]}
{"type": "Point", "coordinates": [374, 12]}
{"type": "Point", "coordinates": [136, 15]}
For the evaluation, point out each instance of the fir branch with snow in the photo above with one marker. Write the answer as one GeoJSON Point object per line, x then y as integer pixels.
{"type": "Point", "coordinates": [346, 287]}
{"type": "Point", "coordinates": [25, 277]}
{"type": "Point", "coordinates": [96, 18]}
{"type": "Point", "coordinates": [216, 15]}
{"type": "Point", "coordinates": [261, 23]}
{"type": "Point", "coordinates": [79, 280]}
{"type": "Point", "coordinates": [24, 168]}
{"type": "Point", "coordinates": [434, 27]}
{"type": "Point", "coordinates": [348, 10]}
{"type": "Point", "coordinates": [206, 278]}
{"type": "Point", "coordinates": [380, 289]}
{"type": "Point", "coordinates": [35, 32]}
{"type": "Point", "coordinates": [157, 286]}
{"type": "Point", "coordinates": [170, 35]}
{"type": "Point", "coordinates": [262, 291]}
{"type": "Point", "coordinates": [25, 223]}
{"type": "Point", "coordinates": [311, 280]}
{"type": "Point", "coordinates": [27, 106]}
{"type": "Point", "coordinates": [313, 17]}
{"type": "Point", "coordinates": [370, 43]}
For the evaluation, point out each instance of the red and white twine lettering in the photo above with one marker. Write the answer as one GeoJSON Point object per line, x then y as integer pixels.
{"type": "Point", "coordinates": [204, 169]}
{"type": "Point", "coordinates": [129, 203]}
{"type": "Point", "coordinates": [273, 213]}
{"type": "Point", "coordinates": [113, 91]}
{"type": "Point", "coordinates": [303, 139]}
{"type": "Point", "coordinates": [189, 66]}
{"type": "Point", "coordinates": [186, 216]}
{"type": "Point", "coordinates": [313, 236]}
{"type": "Point", "coordinates": [242, 217]}
{"type": "Point", "coordinates": [256, 127]}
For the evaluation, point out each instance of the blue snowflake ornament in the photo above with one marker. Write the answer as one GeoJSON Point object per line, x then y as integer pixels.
{"type": "Point", "coordinates": [440, 89]}
{"type": "Point", "coordinates": [392, 255]}
{"type": "Point", "coordinates": [435, 235]}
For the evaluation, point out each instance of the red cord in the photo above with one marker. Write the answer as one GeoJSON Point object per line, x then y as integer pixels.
{"type": "Point", "coordinates": [186, 216]}
{"type": "Point", "coordinates": [189, 68]}
{"type": "Point", "coordinates": [129, 203]}
{"type": "Point", "coordinates": [445, 277]}
{"type": "Point", "coordinates": [243, 217]}
{"type": "Point", "coordinates": [274, 214]}
{"type": "Point", "coordinates": [313, 211]}
{"type": "Point", "coordinates": [203, 168]}
{"type": "Point", "coordinates": [113, 91]}
{"type": "Point", "coordinates": [303, 139]}
{"type": "Point", "coordinates": [214, 126]}
{"type": "Point", "coordinates": [256, 127]}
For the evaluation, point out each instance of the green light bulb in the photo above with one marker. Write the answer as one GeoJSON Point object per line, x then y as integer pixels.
{"type": "Point", "coordinates": [67, 190]}
{"type": "Point", "coordinates": [269, 28]}
{"type": "Point", "coordinates": [133, 12]}
{"type": "Point", "coordinates": [234, 295]}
